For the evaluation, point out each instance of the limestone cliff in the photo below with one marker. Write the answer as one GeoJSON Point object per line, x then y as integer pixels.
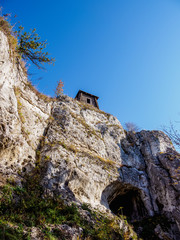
{"type": "Point", "coordinates": [85, 156]}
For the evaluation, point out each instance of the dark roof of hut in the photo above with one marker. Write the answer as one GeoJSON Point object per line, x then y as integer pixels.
{"type": "Point", "coordinates": [80, 91]}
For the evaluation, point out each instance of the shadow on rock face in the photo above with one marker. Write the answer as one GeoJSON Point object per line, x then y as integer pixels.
{"type": "Point", "coordinates": [125, 199]}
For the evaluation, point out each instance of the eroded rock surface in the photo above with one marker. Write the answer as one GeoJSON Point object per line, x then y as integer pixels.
{"type": "Point", "coordinates": [85, 155]}
{"type": "Point", "coordinates": [88, 155]}
{"type": "Point", "coordinates": [23, 115]}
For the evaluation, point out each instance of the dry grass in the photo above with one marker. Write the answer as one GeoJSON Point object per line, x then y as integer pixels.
{"type": "Point", "coordinates": [88, 128]}
{"type": "Point", "coordinates": [6, 28]}
{"type": "Point", "coordinates": [74, 149]}
{"type": "Point", "coordinates": [17, 91]}
{"type": "Point", "coordinates": [70, 147]}
{"type": "Point", "coordinates": [114, 125]}
{"type": "Point", "coordinates": [19, 104]}
{"type": "Point", "coordinates": [23, 66]}
{"type": "Point", "coordinates": [95, 156]}
{"type": "Point", "coordinates": [108, 161]}
{"type": "Point", "coordinates": [50, 119]}
{"type": "Point", "coordinates": [38, 94]}
{"type": "Point", "coordinates": [39, 117]}
{"type": "Point", "coordinates": [25, 132]}
{"type": "Point", "coordinates": [91, 107]}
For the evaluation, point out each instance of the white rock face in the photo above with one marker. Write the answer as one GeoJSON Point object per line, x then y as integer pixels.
{"type": "Point", "coordinates": [96, 161]}
{"type": "Point", "coordinates": [81, 151]}
{"type": "Point", "coordinates": [86, 156]}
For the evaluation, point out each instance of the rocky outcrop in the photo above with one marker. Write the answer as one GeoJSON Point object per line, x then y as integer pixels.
{"type": "Point", "coordinates": [23, 114]}
{"type": "Point", "coordinates": [87, 155]}
{"type": "Point", "coordinates": [84, 153]}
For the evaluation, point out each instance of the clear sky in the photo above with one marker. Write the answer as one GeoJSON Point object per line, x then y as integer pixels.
{"type": "Point", "coordinates": [127, 52]}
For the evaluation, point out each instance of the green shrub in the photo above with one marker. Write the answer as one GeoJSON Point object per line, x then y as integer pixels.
{"type": "Point", "coordinates": [33, 210]}
{"type": "Point", "coordinates": [12, 232]}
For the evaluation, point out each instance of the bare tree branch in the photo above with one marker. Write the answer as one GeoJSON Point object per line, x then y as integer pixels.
{"type": "Point", "coordinates": [130, 126]}
{"type": "Point", "coordinates": [173, 133]}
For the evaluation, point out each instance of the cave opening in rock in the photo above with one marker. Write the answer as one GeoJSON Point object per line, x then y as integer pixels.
{"type": "Point", "coordinates": [128, 204]}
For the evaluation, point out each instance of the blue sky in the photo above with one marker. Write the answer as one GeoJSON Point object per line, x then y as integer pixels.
{"type": "Point", "coordinates": [126, 52]}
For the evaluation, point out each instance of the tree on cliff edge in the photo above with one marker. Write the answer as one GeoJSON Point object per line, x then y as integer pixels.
{"type": "Point", "coordinates": [25, 45]}
{"type": "Point", "coordinates": [31, 48]}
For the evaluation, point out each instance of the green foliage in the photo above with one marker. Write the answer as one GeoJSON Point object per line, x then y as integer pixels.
{"type": "Point", "coordinates": [25, 45]}
{"type": "Point", "coordinates": [12, 232]}
{"type": "Point", "coordinates": [25, 206]}
{"type": "Point", "coordinates": [31, 48]}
